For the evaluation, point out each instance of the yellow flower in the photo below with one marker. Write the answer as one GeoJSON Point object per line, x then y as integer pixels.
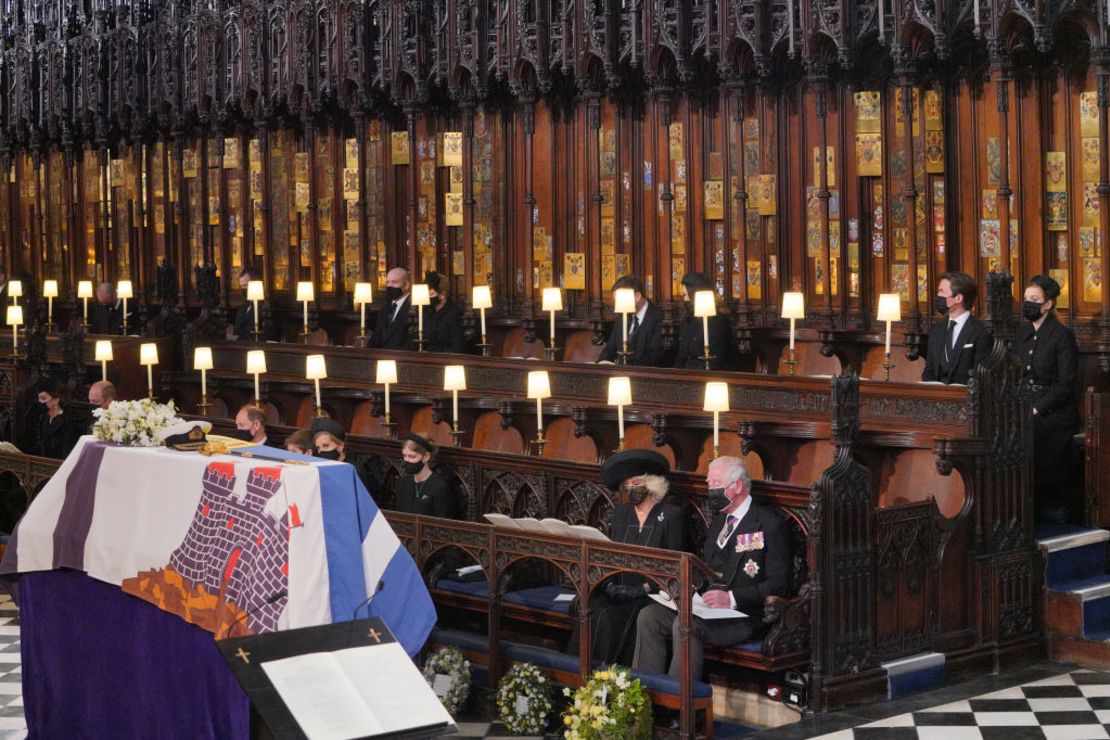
{"type": "Point", "coordinates": [567, 720]}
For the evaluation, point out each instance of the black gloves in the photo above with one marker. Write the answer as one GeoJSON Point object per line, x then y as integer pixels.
{"type": "Point", "coordinates": [619, 593]}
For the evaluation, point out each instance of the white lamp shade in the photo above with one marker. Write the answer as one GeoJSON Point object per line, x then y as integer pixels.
{"type": "Point", "coordinates": [705, 303]}
{"type": "Point", "coordinates": [256, 361]}
{"type": "Point", "coordinates": [624, 300]}
{"type": "Point", "coordinates": [202, 358]}
{"type": "Point", "coordinates": [15, 315]}
{"type": "Point", "coordinates": [890, 307]}
{"type": "Point", "coordinates": [420, 295]}
{"type": "Point", "coordinates": [363, 294]}
{"type": "Point", "coordinates": [620, 391]}
{"type": "Point", "coordinates": [387, 372]}
{"type": "Point", "coordinates": [552, 299]}
{"type": "Point", "coordinates": [255, 291]}
{"type": "Point", "coordinates": [793, 306]}
{"type": "Point", "coordinates": [84, 289]}
{"type": "Point", "coordinates": [15, 289]}
{"type": "Point", "coordinates": [50, 289]}
{"type": "Point", "coordinates": [148, 354]}
{"type": "Point", "coordinates": [103, 350]}
{"type": "Point", "coordinates": [454, 378]}
{"type": "Point", "coordinates": [539, 384]}
{"type": "Point", "coordinates": [316, 368]}
{"type": "Point", "coordinates": [482, 297]}
{"type": "Point", "coordinates": [305, 292]}
{"type": "Point", "coordinates": [716, 396]}
{"type": "Point", "coordinates": [123, 290]}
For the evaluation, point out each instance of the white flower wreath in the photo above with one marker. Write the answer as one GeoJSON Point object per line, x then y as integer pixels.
{"type": "Point", "coordinates": [134, 423]}
{"type": "Point", "coordinates": [524, 699]}
{"type": "Point", "coordinates": [611, 706]}
{"type": "Point", "coordinates": [448, 673]}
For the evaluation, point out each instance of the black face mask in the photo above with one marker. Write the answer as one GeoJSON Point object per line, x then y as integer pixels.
{"type": "Point", "coordinates": [392, 293]}
{"type": "Point", "coordinates": [328, 454]}
{"type": "Point", "coordinates": [1031, 310]}
{"type": "Point", "coordinates": [940, 304]}
{"type": "Point", "coordinates": [636, 494]}
{"type": "Point", "coordinates": [717, 499]}
{"type": "Point", "coordinates": [243, 434]}
{"type": "Point", "coordinates": [411, 468]}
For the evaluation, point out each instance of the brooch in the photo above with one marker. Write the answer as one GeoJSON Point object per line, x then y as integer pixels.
{"type": "Point", "coordinates": [751, 568]}
{"type": "Point", "coordinates": [660, 517]}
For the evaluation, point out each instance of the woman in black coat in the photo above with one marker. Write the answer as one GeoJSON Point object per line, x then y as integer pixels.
{"type": "Point", "coordinates": [443, 327]}
{"type": "Point", "coordinates": [691, 334]}
{"type": "Point", "coordinates": [58, 432]}
{"type": "Point", "coordinates": [1049, 356]}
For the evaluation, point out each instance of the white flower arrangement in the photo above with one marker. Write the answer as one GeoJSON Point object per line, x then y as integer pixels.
{"type": "Point", "coordinates": [134, 423]}
{"type": "Point", "coordinates": [523, 699]}
{"type": "Point", "coordinates": [448, 673]}
{"type": "Point", "coordinates": [610, 705]}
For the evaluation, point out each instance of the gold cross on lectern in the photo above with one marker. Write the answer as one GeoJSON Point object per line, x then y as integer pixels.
{"type": "Point", "coordinates": [244, 655]}
{"type": "Point", "coordinates": [376, 635]}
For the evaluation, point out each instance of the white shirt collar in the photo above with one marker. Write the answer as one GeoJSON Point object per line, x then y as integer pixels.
{"type": "Point", "coordinates": [960, 321]}
{"type": "Point", "coordinates": [743, 510]}
{"type": "Point", "coordinates": [643, 312]}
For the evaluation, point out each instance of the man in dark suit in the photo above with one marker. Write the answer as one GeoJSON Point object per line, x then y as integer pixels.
{"type": "Point", "coordinates": [392, 328]}
{"type": "Point", "coordinates": [960, 341]}
{"type": "Point", "coordinates": [645, 329]}
{"type": "Point", "coordinates": [747, 544]}
{"type": "Point", "coordinates": [242, 328]}
{"type": "Point", "coordinates": [106, 313]}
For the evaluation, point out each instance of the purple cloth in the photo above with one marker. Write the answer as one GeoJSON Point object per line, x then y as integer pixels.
{"type": "Point", "coordinates": [100, 663]}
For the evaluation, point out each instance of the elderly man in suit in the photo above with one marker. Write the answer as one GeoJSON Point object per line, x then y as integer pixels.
{"type": "Point", "coordinates": [960, 341]}
{"type": "Point", "coordinates": [747, 544]}
{"type": "Point", "coordinates": [645, 329]}
{"type": "Point", "coordinates": [392, 328]}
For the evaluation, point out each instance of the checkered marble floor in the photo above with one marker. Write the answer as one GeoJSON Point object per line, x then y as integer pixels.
{"type": "Point", "coordinates": [1070, 706]}
{"type": "Point", "coordinates": [12, 723]}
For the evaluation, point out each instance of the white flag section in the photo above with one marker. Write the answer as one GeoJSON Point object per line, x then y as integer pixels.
{"type": "Point", "coordinates": [369, 690]}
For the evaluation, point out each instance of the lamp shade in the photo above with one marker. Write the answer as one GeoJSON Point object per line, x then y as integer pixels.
{"type": "Point", "coordinates": [315, 367]}
{"type": "Point", "coordinates": [256, 361]}
{"type": "Point", "coordinates": [363, 294]}
{"type": "Point", "coordinates": [15, 316]}
{"type": "Point", "coordinates": [539, 384]}
{"type": "Point", "coordinates": [624, 300]}
{"type": "Point", "coordinates": [202, 358]}
{"type": "Point", "coordinates": [482, 297]}
{"type": "Point", "coordinates": [716, 396]}
{"type": "Point", "coordinates": [387, 372]}
{"type": "Point", "coordinates": [454, 378]}
{"type": "Point", "coordinates": [552, 299]}
{"type": "Point", "coordinates": [620, 390]}
{"type": "Point", "coordinates": [793, 306]}
{"type": "Point", "coordinates": [15, 289]}
{"type": "Point", "coordinates": [305, 292]}
{"type": "Point", "coordinates": [890, 307]}
{"type": "Point", "coordinates": [255, 291]}
{"type": "Point", "coordinates": [103, 350]}
{"type": "Point", "coordinates": [148, 354]}
{"type": "Point", "coordinates": [84, 289]}
{"type": "Point", "coordinates": [420, 295]}
{"type": "Point", "coordinates": [705, 303]}
{"type": "Point", "coordinates": [50, 289]}
{"type": "Point", "coordinates": [124, 290]}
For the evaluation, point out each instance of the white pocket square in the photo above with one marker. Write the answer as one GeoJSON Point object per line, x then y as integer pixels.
{"type": "Point", "coordinates": [968, 346]}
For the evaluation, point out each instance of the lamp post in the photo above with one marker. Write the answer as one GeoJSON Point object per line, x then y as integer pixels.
{"type": "Point", "coordinates": [793, 308]}
{"type": "Point", "coordinates": [363, 295]}
{"type": "Point", "coordinates": [420, 298]}
{"type": "Point", "coordinates": [305, 294]}
{"type": "Point", "coordinates": [890, 310]}
{"type": "Point", "coordinates": [454, 380]}
{"type": "Point", "coordinates": [316, 368]}
{"type": "Point", "coordinates": [124, 291]}
{"type": "Point", "coordinates": [539, 388]}
{"type": "Point", "coordinates": [716, 400]}
{"type": "Point", "coordinates": [202, 360]}
{"type": "Point", "coordinates": [104, 356]}
{"type": "Point", "coordinates": [481, 300]}
{"type": "Point", "coordinates": [256, 294]}
{"type": "Point", "coordinates": [624, 303]}
{"type": "Point", "coordinates": [85, 292]}
{"type": "Point", "coordinates": [148, 355]}
{"type": "Point", "coordinates": [552, 302]}
{"type": "Point", "coordinates": [386, 376]}
{"type": "Point", "coordinates": [50, 292]}
{"type": "Point", "coordinates": [15, 320]}
{"type": "Point", "coordinates": [705, 305]}
{"type": "Point", "coordinates": [620, 395]}
{"type": "Point", "coordinates": [256, 365]}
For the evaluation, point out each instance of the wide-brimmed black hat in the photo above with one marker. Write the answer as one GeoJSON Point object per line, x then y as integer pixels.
{"type": "Point", "coordinates": [331, 426]}
{"type": "Point", "coordinates": [628, 464]}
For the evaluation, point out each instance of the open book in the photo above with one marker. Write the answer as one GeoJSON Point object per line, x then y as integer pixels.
{"type": "Point", "coordinates": [701, 609]}
{"type": "Point", "coordinates": [548, 525]}
{"type": "Point", "coordinates": [357, 692]}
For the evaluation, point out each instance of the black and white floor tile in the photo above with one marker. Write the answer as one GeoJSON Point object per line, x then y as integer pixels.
{"type": "Point", "coordinates": [12, 724]}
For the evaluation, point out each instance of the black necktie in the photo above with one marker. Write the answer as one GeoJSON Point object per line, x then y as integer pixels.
{"type": "Point", "coordinates": [635, 324]}
{"type": "Point", "coordinates": [393, 311]}
{"type": "Point", "coordinates": [948, 334]}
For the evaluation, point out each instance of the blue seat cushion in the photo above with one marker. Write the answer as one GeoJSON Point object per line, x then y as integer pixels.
{"type": "Point", "coordinates": [541, 657]}
{"type": "Point", "coordinates": [664, 684]}
{"type": "Point", "coordinates": [469, 588]}
{"type": "Point", "coordinates": [752, 646]}
{"type": "Point", "coordinates": [461, 639]}
{"type": "Point", "coordinates": [541, 597]}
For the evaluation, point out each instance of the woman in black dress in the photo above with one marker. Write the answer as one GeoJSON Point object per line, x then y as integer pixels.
{"type": "Point", "coordinates": [57, 431]}
{"type": "Point", "coordinates": [443, 327]}
{"type": "Point", "coordinates": [1049, 356]}
{"type": "Point", "coordinates": [421, 490]}
{"type": "Point", "coordinates": [642, 519]}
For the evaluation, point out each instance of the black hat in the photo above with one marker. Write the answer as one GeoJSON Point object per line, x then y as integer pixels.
{"type": "Point", "coordinates": [1050, 287]}
{"type": "Point", "coordinates": [331, 426]}
{"type": "Point", "coordinates": [631, 463]}
{"type": "Point", "coordinates": [433, 280]}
